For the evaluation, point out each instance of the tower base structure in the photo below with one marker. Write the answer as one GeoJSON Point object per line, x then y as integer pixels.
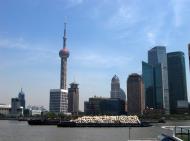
{"type": "Point", "coordinates": [58, 101]}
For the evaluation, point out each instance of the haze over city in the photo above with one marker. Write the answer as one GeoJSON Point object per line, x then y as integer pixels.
{"type": "Point", "coordinates": [104, 37]}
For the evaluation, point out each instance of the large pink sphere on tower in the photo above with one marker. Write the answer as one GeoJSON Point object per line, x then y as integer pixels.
{"type": "Point", "coordinates": [64, 53]}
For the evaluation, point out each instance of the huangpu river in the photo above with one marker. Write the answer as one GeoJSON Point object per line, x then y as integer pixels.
{"type": "Point", "coordinates": [21, 131]}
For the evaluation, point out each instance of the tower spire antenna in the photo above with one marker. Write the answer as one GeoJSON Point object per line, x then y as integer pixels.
{"type": "Point", "coordinates": [64, 37]}
{"type": "Point", "coordinates": [74, 79]}
{"type": "Point", "coordinates": [64, 54]}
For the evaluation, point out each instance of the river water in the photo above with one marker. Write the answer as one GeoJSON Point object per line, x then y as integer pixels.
{"type": "Point", "coordinates": [21, 131]}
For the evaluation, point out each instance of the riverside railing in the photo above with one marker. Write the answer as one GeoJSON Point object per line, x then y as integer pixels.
{"type": "Point", "coordinates": [182, 132]}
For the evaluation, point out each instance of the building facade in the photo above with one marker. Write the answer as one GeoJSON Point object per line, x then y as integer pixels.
{"type": "Point", "coordinates": [21, 97]}
{"type": "Point", "coordinates": [58, 101]}
{"type": "Point", "coordinates": [122, 95]}
{"type": "Point", "coordinates": [135, 94]}
{"type": "Point", "coordinates": [157, 57]}
{"type": "Point", "coordinates": [158, 92]}
{"type": "Point", "coordinates": [177, 81]}
{"type": "Point", "coordinates": [116, 91]}
{"type": "Point", "coordinates": [148, 78]}
{"type": "Point", "coordinates": [5, 109]}
{"type": "Point", "coordinates": [73, 98]}
{"type": "Point", "coordinates": [115, 87]}
{"type": "Point", "coordinates": [16, 109]}
{"type": "Point", "coordinates": [104, 106]}
{"type": "Point", "coordinates": [59, 97]}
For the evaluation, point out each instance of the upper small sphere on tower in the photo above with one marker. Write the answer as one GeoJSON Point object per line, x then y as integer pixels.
{"type": "Point", "coordinates": [64, 53]}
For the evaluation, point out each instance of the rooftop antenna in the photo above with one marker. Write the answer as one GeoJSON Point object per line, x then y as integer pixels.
{"type": "Point", "coordinates": [65, 32]}
{"type": "Point", "coordinates": [64, 37]}
{"type": "Point", "coordinates": [74, 79]}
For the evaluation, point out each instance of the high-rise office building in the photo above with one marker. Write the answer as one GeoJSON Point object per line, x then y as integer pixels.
{"type": "Point", "coordinates": [21, 97]}
{"type": "Point", "coordinates": [135, 94]}
{"type": "Point", "coordinates": [73, 98]}
{"type": "Point", "coordinates": [18, 104]}
{"type": "Point", "coordinates": [15, 107]}
{"type": "Point", "coordinates": [177, 81]}
{"type": "Point", "coordinates": [115, 87]}
{"type": "Point", "coordinates": [58, 101]}
{"type": "Point", "coordinates": [155, 76]}
{"type": "Point", "coordinates": [116, 91]}
{"type": "Point", "coordinates": [59, 97]}
{"type": "Point", "coordinates": [148, 78]}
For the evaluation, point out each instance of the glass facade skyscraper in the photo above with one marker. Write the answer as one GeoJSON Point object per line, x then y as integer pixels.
{"type": "Point", "coordinates": [177, 79]}
{"type": "Point", "coordinates": [148, 77]}
{"type": "Point", "coordinates": [155, 76]}
{"type": "Point", "coordinates": [152, 77]}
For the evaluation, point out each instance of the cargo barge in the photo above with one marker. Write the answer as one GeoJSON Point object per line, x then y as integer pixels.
{"type": "Point", "coordinates": [74, 124]}
{"type": "Point", "coordinates": [93, 121]}
{"type": "Point", "coordinates": [104, 121]}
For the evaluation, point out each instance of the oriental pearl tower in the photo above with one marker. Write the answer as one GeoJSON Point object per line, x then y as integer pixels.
{"type": "Point", "coordinates": [64, 54]}
{"type": "Point", "coordinates": [59, 97]}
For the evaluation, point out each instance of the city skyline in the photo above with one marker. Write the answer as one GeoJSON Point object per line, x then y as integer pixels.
{"type": "Point", "coordinates": [104, 41]}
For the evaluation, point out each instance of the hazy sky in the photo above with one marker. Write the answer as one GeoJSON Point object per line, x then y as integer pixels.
{"type": "Point", "coordinates": [105, 37]}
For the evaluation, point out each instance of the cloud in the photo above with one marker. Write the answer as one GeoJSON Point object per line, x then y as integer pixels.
{"type": "Point", "coordinates": [102, 61]}
{"type": "Point", "coordinates": [34, 53]}
{"type": "Point", "coordinates": [22, 44]}
{"type": "Point", "coordinates": [17, 43]}
{"type": "Point", "coordinates": [179, 7]}
{"type": "Point", "coordinates": [125, 16]}
{"type": "Point", "coordinates": [151, 37]}
{"type": "Point", "coordinates": [73, 3]}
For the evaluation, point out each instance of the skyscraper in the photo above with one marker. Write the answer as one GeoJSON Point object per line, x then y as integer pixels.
{"type": "Point", "coordinates": [148, 78]}
{"type": "Point", "coordinates": [73, 98]}
{"type": "Point", "coordinates": [177, 80]}
{"type": "Point", "coordinates": [135, 94]}
{"type": "Point", "coordinates": [115, 87]}
{"type": "Point", "coordinates": [59, 97]}
{"type": "Point", "coordinates": [18, 104]}
{"type": "Point", "coordinates": [157, 57]}
{"type": "Point", "coordinates": [116, 91]}
{"type": "Point", "coordinates": [15, 107]}
{"type": "Point", "coordinates": [21, 97]}
{"type": "Point", "coordinates": [158, 92]}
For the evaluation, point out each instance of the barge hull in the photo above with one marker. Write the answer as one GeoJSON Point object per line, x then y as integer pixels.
{"type": "Point", "coordinates": [73, 124]}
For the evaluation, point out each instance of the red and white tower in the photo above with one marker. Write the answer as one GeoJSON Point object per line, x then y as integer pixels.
{"type": "Point", "coordinates": [64, 54]}
{"type": "Point", "coordinates": [59, 97]}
